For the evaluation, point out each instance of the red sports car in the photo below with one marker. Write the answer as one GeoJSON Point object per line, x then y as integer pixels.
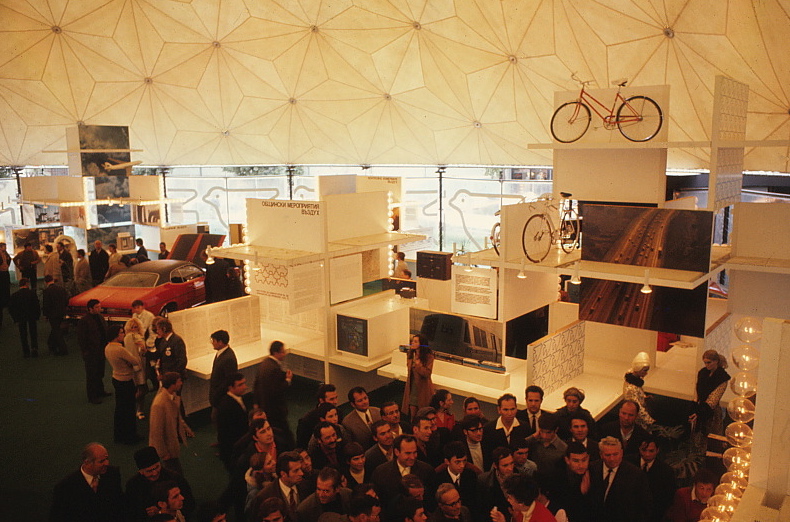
{"type": "Point", "coordinates": [164, 286]}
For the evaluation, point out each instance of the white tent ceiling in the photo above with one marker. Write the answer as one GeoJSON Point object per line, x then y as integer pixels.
{"type": "Point", "coordinates": [372, 81]}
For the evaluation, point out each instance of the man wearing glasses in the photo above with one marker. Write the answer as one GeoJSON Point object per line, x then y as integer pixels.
{"type": "Point", "coordinates": [450, 507]}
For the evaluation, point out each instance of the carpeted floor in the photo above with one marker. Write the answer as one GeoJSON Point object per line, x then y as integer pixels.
{"type": "Point", "coordinates": [46, 420]}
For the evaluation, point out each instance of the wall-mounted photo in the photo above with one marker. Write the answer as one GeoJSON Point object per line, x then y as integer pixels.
{"type": "Point", "coordinates": [459, 335]}
{"type": "Point", "coordinates": [101, 138]}
{"type": "Point", "coordinates": [147, 214]}
{"type": "Point", "coordinates": [650, 237]}
{"type": "Point", "coordinates": [47, 214]}
{"type": "Point", "coordinates": [665, 309]}
{"type": "Point", "coordinates": [108, 235]}
{"type": "Point", "coordinates": [38, 237]}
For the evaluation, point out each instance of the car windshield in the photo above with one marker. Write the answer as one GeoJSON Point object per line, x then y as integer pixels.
{"type": "Point", "coordinates": [133, 280]}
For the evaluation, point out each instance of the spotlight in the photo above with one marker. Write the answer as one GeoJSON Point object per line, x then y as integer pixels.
{"type": "Point", "coordinates": [646, 286]}
{"type": "Point", "coordinates": [575, 279]}
{"type": "Point", "coordinates": [521, 273]}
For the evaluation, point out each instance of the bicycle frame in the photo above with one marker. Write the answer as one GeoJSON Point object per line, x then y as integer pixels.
{"type": "Point", "coordinates": [610, 119]}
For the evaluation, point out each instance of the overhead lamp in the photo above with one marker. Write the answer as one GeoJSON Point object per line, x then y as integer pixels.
{"type": "Point", "coordinates": [210, 258]}
{"type": "Point", "coordinates": [521, 273]}
{"type": "Point", "coordinates": [646, 286]}
{"type": "Point", "coordinates": [575, 278]}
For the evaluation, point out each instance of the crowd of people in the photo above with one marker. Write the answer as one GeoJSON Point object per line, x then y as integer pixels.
{"type": "Point", "coordinates": [376, 462]}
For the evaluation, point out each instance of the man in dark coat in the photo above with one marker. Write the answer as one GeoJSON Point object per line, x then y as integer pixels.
{"type": "Point", "coordinates": [5, 279]}
{"type": "Point", "coordinates": [66, 265]}
{"type": "Point", "coordinates": [625, 428]}
{"type": "Point", "coordinates": [99, 261]}
{"type": "Point", "coordinates": [660, 477]}
{"type": "Point", "coordinates": [56, 301]}
{"type": "Point", "coordinates": [223, 368]}
{"type": "Point", "coordinates": [271, 383]}
{"type": "Point", "coordinates": [90, 494]}
{"type": "Point", "coordinates": [25, 311]}
{"type": "Point", "coordinates": [92, 338]}
{"type": "Point", "coordinates": [232, 416]}
{"type": "Point", "coordinates": [172, 350]}
{"type": "Point", "coordinates": [27, 262]}
{"type": "Point", "coordinates": [139, 489]}
{"type": "Point", "coordinates": [387, 477]}
{"type": "Point", "coordinates": [619, 491]}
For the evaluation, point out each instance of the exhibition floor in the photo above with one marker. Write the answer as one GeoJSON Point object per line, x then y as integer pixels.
{"type": "Point", "coordinates": [46, 420]}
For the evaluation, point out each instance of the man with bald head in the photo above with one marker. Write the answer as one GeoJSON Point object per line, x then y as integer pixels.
{"type": "Point", "coordinates": [99, 261]}
{"type": "Point", "coordinates": [92, 493]}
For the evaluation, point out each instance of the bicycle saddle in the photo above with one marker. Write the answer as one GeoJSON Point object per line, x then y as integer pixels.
{"type": "Point", "coordinates": [566, 194]}
{"type": "Point", "coordinates": [620, 82]}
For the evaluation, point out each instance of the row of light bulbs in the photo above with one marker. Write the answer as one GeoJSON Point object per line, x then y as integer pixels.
{"type": "Point", "coordinates": [737, 458]}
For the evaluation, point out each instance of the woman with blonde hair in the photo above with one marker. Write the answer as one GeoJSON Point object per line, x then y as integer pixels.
{"type": "Point", "coordinates": [633, 387]}
{"type": "Point", "coordinates": [711, 384]}
{"type": "Point", "coordinates": [134, 342]}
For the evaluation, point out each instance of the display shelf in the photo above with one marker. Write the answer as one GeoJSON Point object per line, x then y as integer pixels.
{"type": "Point", "coordinates": [358, 362]}
{"type": "Point", "coordinates": [759, 264]}
{"type": "Point", "coordinates": [465, 380]}
{"type": "Point", "coordinates": [375, 241]}
{"type": "Point", "coordinates": [106, 201]}
{"type": "Point", "coordinates": [603, 388]}
{"type": "Point", "coordinates": [555, 259]}
{"type": "Point", "coordinates": [675, 373]}
{"type": "Point", "coordinates": [262, 254]}
{"type": "Point", "coordinates": [248, 354]}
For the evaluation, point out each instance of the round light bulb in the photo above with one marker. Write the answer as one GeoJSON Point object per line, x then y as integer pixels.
{"type": "Point", "coordinates": [749, 329]}
{"type": "Point", "coordinates": [725, 488]}
{"type": "Point", "coordinates": [741, 409]}
{"type": "Point", "coordinates": [737, 478]}
{"type": "Point", "coordinates": [746, 357]}
{"type": "Point", "coordinates": [744, 384]}
{"type": "Point", "coordinates": [736, 458]}
{"type": "Point", "coordinates": [739, 434]}
{"type": "Point", "coordinates": [714, 514]}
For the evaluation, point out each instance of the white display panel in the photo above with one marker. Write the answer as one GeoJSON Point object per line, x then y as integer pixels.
{"type": "Point", "coordinates": [761, 230]}
{"type": "Point", "coordinates": [616, 175]}
{"type": "Point", "coordinates": [356, 215]}
{"type": "Point", "coordinates": [475, 291]}
{"type": "Point", "coordinates": [555, 360]}
{"type": "Point", "coordinates": [759, 294]}
{"type": "Point", "coordinates": [52, 188]}
{"type": "Point", "coordinates": [339, 184]}
{"type": "Point", "coordinates": [293, 225]}
{"type": "Point", "coordinates": [145, 187]}
{"type": "Point", "coordinates": [307, 289]}
{"type": "Point", "coordinates": [617, 345]}
{"type": "Point", "coordinates": [530, 293]}
{"type": "Point", "coordinates": [730, 104]}
{"type": "Point", "coordinates": [345, 278]}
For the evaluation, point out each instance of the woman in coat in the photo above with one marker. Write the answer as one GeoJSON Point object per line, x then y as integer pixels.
{"type": "Point", "coordinates": [419, 387]}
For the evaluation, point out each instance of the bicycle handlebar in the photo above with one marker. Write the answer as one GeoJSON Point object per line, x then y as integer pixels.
{"type": "Point", "coordinates": [575, 78]}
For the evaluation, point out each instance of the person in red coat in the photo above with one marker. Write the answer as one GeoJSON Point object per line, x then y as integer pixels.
{"type": "Point", "coordinates": [522, 495]}
{"type": "Point", "coordinates": [689, 502]}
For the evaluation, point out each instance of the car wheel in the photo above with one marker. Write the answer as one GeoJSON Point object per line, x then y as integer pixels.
{"type": "Point", "coordinates": [172, 307]}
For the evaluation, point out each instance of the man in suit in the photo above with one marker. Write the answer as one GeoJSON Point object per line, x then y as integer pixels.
{"type": "Point", "coordinates": [619, 491]}
{"type": "Point", "coordinates": [25, 311]}
{"type": "Point", "coordinates": [660, 477]}
{"type": "Point", "coordinates": [92, 338]}
{"type": "Point", "coordinates": [359, 421]}
{"type": "Point", "coordinates": [304, 428]}
{"type": "Point", "coordinates": [223, 368]}
{"type": "Point", "coordinates": [26, 262]}
{"type": "Point", "coordinates": [571, 490]}
{"type": "Point", "coordinates": [531, 415]}
{"type": "Point", "coordinates": [506, 427]}
{"type": "Point", "coordinates": [580, 429]}
{"type": "Point", "coordinates": [456, 473]}
{"type": "Point", "coordinates": [168, 429]}
{"type": "Point", "coordinates": [387, 477]}
{"type": "Point", "coordinates": [428, 445]}
{"type": "Point", "coordinates": [545, 447]}
{"type": "Point", "coordinates": [625, 428]}
{"type": "Point", "coordinates": [92, 493]}
{"type": "Point", "coordinates": [232, 413]}
{"type": "Point", "coordinates": [328, 452]}
{"type": "Point", "coordinates": [489, 484]}
{"type": "Point", "coordinates": [172, 350]}
{"type": "Point", "coordinates": [451, 505]}
{"type": "Point", "coordinates": [271, 385]}
{"type": "Point", "coordinates": [285, 488]}
{"type": "Point", "coordinates": [99, 261]}
{"type": "Point", "coordinates": [56, 301]}
{"type": "Point", "coordinates": [329, 497]}
{"type": "Point", "coordinates": [139, 489]}
{"type": "Point", "coordinates": [390, 412]}
{"type": "Point", "coordinates": [381, 451]}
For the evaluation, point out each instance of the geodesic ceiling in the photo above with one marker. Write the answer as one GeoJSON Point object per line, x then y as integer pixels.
{"type": "Point", "coordinates": [372, 81]}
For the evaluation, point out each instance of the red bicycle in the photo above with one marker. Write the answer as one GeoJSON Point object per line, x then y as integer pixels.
{"type": "Point", "coordinates": [638, 118]}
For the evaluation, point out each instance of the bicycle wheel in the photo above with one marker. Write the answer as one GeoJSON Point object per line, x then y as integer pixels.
{"type": "Point", "coordinates": [495, 238]}
{"type": "Point", "coordinates": [639, 118]}
{"type": "Point", "coordinates": [569, 231]}
{"type": "Point", "coordinates": [536, 238]}
{"type": "Point", "coordinates": [570, 122]}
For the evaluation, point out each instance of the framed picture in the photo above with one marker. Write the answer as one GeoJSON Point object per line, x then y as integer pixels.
{"type": "Point", "coordinates": [352, 335]}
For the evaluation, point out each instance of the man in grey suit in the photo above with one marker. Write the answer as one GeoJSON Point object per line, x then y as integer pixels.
{"type": "Point", "coordinates": [329, 497]}
{"type": "Point", "coordinates": [359, 421]}
{"type": "Point", "coordinates": [619, 491]}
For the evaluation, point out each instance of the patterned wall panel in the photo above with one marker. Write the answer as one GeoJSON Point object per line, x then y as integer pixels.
{"type": "Point", "coordinates": [730, 103]}
{"type": "Point", "coordinates": [719, 336]}
{"type": "Point", "coordinates": [556, 359]}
